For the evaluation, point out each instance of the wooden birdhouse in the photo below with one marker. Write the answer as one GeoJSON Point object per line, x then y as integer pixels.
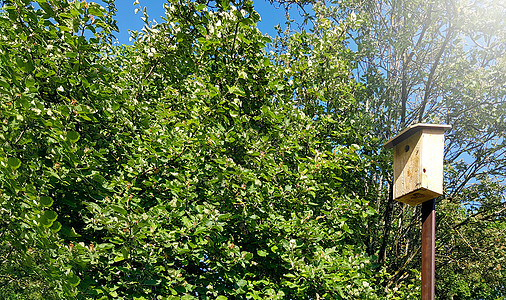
{"type": "Point", "coordinates": [418, 162]}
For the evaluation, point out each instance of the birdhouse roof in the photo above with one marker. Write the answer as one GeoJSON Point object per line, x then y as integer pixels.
{"type": "Point", "coordinates": [412, 129]}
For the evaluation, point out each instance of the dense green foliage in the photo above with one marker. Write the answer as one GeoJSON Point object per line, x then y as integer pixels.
{"type": "Point", "coordinates": [195, 164]}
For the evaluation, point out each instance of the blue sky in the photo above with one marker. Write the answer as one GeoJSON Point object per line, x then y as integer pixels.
{"type": "Point", "coordinates": [127, 19]}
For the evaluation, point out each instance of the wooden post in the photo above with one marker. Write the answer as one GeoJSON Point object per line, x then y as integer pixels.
{"type": "Point", "coordinates": [428, 249]}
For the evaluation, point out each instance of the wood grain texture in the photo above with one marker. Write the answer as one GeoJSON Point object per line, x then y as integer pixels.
{"type": "Point", "coordinates": [418, 167]}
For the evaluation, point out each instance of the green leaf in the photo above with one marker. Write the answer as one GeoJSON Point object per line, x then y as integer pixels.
{"type": "Point", "coordinates": [152, 281]}
{"type": "Point", "coordinates": [119, 258]}
{"type": "Point", "coordinates": [56, 226]}
{"type": "Point", "coordinates": [47, 218]}
{"type": "Point", "coordinates": [234, 113]}
{"type": "Point", "coordinates": [73, 136]}
{"type": "Point", "coordinates": [45, 222]}
{"type": "Point", "coordinates": [125, 253]}
{"type": "Point", "coordinates": [96, 10]}
{"type": "Point", "coordinates": [236, 90]}
{"type": "Point", "coordinates": [262, 253]}
{"type": "Point", "coordinates": [242, 283]}
{"type": "Point", "coordinates": [46, 201]}
{"type": "Point", "coordinates": [14, 162]}
{"type": "Point", "coordinates": [71, 54]}
{"type": "Point", "coordinates": [119, 209]}
{"type": "Point", "coordinates": [225, 4]}
{"type": "Point", "coordinates": [50, 215]}
{"type": "Point", "coordinates": [73, 280]}
{"type": "Point", "coordinates": [221, 298]}
{"type": "Point", "coordinates": [347, 228]}
{"type": "Point", "coordinates": [46, 7]}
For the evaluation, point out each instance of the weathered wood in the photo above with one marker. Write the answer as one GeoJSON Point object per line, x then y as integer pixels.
{"type": "Point", "coordinates": [418, 163]}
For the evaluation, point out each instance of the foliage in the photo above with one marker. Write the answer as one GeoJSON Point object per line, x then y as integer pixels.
{"type": "Point", "coordinates": [177, 167]}
{"type": "Point", "coordinates": [195, 164]}
{"type": "Point", "coordinates": [48, 69]}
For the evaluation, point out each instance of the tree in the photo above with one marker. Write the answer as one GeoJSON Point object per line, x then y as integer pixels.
{"type": "Point", "coordinates": [425, 61]}
{"type": "Point", "coordinates": [177, 167]}
{"type": "Point", "coordinates": [230, 191]}
{"type": "Point", "coordinates": [47, 69]}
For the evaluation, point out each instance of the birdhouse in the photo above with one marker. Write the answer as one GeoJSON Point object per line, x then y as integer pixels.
{"type": "Point", "coordinates": [418, 162]}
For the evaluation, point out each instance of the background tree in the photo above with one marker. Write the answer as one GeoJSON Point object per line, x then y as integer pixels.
{"type": "Point", "coordinates": [439, 62]}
